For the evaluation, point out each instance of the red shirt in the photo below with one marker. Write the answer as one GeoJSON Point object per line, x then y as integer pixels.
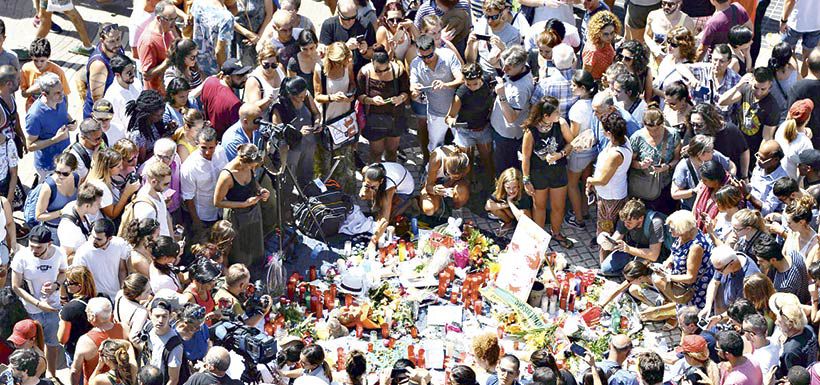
{"type": "Point", "coordinates": [598, 59]}
{"type": "Point", "coordinates": [153, 49]}
{"type": "Point", "coordinates": [220, 104]}
{"type": "Point", "coordinates": [98, 336]}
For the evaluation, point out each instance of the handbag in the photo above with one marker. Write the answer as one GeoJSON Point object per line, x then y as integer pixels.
{"type": "Point", "coordinates": [643, 185]}
{"type": "Point", "coordinates": [381, 123]}
{"type": "Point", "coordinates": [680, 293]}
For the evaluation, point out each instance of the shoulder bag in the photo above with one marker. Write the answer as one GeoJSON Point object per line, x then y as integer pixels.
{"type": "Point", "coordinates": [644, 185]}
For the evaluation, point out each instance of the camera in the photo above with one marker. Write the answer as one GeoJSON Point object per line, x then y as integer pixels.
{"type": "Point", "coordinates": [132, 177]}
{"type": "Point", "coordinates": [7, 378]}
{"type": "Point", "coordinates": [278, 133]}
{"type": "Point", "coordinates": [256, 301]}
{"type": "Point", "coordinates": [247, 341]}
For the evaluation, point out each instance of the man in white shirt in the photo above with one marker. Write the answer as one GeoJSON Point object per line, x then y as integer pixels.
{"type": "Point", "coordinates": [150, 202]}
{"type": "Point", "coordinates": [87, 144]}
{"type": "Point", "coordinates": [122, 90]}
{"type": "Point", "coordinates": [75, 227]}
{"type": "Point", "coordinates": [198, 177]}
{"type": "Point", "coordinates": [766, 353]}
{"type": "Point", "coordinates": [104, 255]}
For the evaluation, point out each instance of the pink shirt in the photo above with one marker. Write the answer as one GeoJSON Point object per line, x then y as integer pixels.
{"type": "Point", "coordinates": [746, 374]}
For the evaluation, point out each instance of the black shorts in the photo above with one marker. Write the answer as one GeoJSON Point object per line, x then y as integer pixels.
{"type": "Point", "coordinates": [373, 132]}
{"type": "Point", "coordinates": [550, 177]}
{"type": "Point", "coordinates": [636, 14]}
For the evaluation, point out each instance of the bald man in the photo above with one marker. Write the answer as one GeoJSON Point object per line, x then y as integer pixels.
{"type": "Point", "coordinates": [619, 348]}
{"type": "Point", "coordinates": [767, 171]}
{"type": "Point", "coordinates": [245, 130]}
{"type": "Point", "coordinates": [346, 28]}
{"type": "Point", "coordinates": [217, 361]}
{"type": "Point", "coordinates": [281, 34]}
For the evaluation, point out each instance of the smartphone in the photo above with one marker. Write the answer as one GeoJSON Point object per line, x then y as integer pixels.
{"type": "Point", "coordinates": [590, 199]}
{"type": "Point", "coordinates": [578, 350]}
{"type": "Point", "coordinates": [169, 193]}
{"type": "Point", "coordinates": [610, 239]}
{"type": "Point", "coordinates": [460, 125]}
{"type": "Point", "coordinates": [703, 323]}
{"type": "Point", "coordinates": [423, 88]}
{"type": "Point", "coordinates": [482, 37]}
{"type": "Point", "coordinates": [350, 94]}
{"type": "Point", "coordinates": [448, 192]}
{"type": "Point", "coordinates": [179, 230]}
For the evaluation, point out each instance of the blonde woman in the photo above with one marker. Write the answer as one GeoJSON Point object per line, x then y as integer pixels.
{"type": "Point", "coordinates": [335, 86]}
{"type": "Point", "coordinates": [262, 86]}
{"type": "Point", "coordinates": [74, 323]}
{"type": "Point", "coordinates": [130, 154]}
{"type": "Point", "coordinates": [122, 368]}
{"type": "Point", "coordinates": [748, 225]}
{"type": "Point", "coordinates": [509, 191]}
{"type": "Point", "coordinates": [799, 235]}
{"type": "Point", "coordinates": [106, 163]}
{"type": "Point", "coordinates": [689, 263]}
{"type": "Point", "coordinates": [239, 194]}
{"type": "Point", "coordinates": [798, 339]}
{"type": "Point", "coordinates": [794, 136]}
{"type": "Point", "coordinates": [222, 236]}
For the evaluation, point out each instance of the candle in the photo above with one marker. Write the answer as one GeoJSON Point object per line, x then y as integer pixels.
{"type": "Point", "coordinates": [391, 343]}
{"type": "Point", "coordinates": [291, 289]}
{"type": "Point", "coordinates": [333, 291]}
{"type": "Point", "coordinates": [385, 330]}
{"type": "Point", "coordinates": [329, 300]}
{"type": "Point", "coordinates": [454, 296]}
{"type": "Point", "coordinates": [340, 362]}
{"type": "Point", "coordinates": [420, 360]}
{"type": "Point", "coordinates": [414, 332]}
{"type": "Point", "coordinates": [443, 281]}
{"type": "Point", "coordinates": [348, 299]}
{"type": "Point", "coordinates": [359, 329]}
{"type": "Point", "coordinates": [316, 303]}
{"type": "Point", "coordinates": [411, 354]}
{"type": "Point", "coordinates": [478, 307]}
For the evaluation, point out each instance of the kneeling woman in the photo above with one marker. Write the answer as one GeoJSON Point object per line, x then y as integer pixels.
{"type": "Point", "coordinates": [509, 192]}
{"type": "Point", "coordinates": [388, 186]}
{"type": "Point", "coordinates": [446, 173]}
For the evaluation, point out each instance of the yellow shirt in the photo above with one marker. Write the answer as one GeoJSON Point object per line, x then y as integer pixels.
{"type": "Point", "coordinates": [29, 73]}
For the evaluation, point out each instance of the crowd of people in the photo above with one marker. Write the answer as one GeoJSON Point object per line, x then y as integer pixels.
{"type": "Point", "coordinates": [147, 217]}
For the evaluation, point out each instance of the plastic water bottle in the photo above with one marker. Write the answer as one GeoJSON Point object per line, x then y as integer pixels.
{"type": "Point", "coordinates": [615, 320]}
{"type": "Point", "coordinates": [414, 227]}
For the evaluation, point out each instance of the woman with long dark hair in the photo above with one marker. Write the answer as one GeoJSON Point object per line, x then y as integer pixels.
{"type": "Point", "coordinates": [129, 305]}
{"type": "Point", "coordinates": [296, 107]}
{"type": "Point", "coordinates": [786, 73]}
{"type": "Point", "coordinates": [145, 123]}
{"type": "Point", "coordinates": [182, 56]}
{"type": "Point", "coordinates": [141, 235]}
{"type": "Point", "coordinates": [388, 186]}
{"type": "Point", "coordinates": [313, 362]}
{"type": "Point", "coordinates": [636, 58]}
{"type": "Point", "coordinates": [713, 176]}
{"type": "Point", "coordinates": [165, 254]}
{"type": "Point", "coordinates": [204, 273]}
{"type": "Point", "coordinates": [544, 149]}
{"type": "Point", "coordinates": [384, 90]}
{"type": "Point", "coordinates": [177, 102]}
{"type": "Point", "coordinates": [579, 162]}
{"type": "Point", "coordinates": [304, 62]}
{"type": "Point", "coordinates": [396, 33]}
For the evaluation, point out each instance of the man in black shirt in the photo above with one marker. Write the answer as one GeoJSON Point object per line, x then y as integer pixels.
{"type": "Point", "coordinates": [759, 110]}
{"type": "Point", "coordinates": [809, 88]}
{"type": "Point", "coordinates": [808, 167]}
{"type": "Point", "coordinates": [217, 362]}
{"type": "Point", "coordinates": [347, 29]}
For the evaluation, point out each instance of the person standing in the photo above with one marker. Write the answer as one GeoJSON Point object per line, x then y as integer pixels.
{"type": "Point", "coordinates": [198, 176]}
{"type": "Point", "coordinates": [514, 93]}
{"type": "Point", "coordinates": [659, 22]}
{"type": "Point", "coordinates": [153, 46]}
{"type": "Point", "coordinates": [105, 256]}
{"type": "Point", "coordinates": [123, 90]}
{"type": "Point", "coordinates": [219, 101]}
{"type": "Point", "coordinates": [150, 200]}
{"type": "Point", "coordinates": [40, 51]}
{"type": "Point", "coordinates": [87, 355]}
{"type": "Point", "coordinates": [9, 119]}
{"type": "Point", "coordinates": [759, 112]}
{"type": "Point", "coordinates": [37, 273]}
{"type": "Point", "coordinates": [739, 370]}
{"type": "Point", "coordinates": [99, 75]}
{"type": "Point", "coordinates": [48, 124]}
{"type": "Point", "coordinates": [213, 33]}
{"type": "Point", "coordinates": [716, 31]}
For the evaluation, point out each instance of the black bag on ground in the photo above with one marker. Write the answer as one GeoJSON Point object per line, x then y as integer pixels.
{"type": "Point", "coordinates": [329, 208]}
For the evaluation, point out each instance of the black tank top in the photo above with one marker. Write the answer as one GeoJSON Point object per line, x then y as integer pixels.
{"type": "Point", "coordinates": [240, 192]}
{"type": "Point", "coordinates": [544, 144]}
{"type": "Point", "coordinates": [10, 114]}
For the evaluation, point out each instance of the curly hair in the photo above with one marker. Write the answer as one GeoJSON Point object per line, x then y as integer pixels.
{"type": "Point", "coordinates": [598, 22]}
{"type": "Point", "coordinates": [686, 42]}
{"type": "Point", "coordinates": [138, 111]}
{"type": "Point", "coordinates": [116, 352]}
{"type": "Point", "coordinates": [712, 120]}
{"type": "Point", "coordinates": [139, 230]}
{"type": "Point", "coordinates": [485, 346]}
{"type": "Point", "coordinates": [640, 57]}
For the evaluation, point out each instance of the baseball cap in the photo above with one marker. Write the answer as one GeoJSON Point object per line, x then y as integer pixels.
{"type": "Point", "coordinates": [102, 109]}
{"type": "Point", "coordinates": [810, 157]}
{"type": "Point", "coordinates": [692, 344]}
{"type": "Point", "coordinates": [39, 234]}
{"type": "Point", "coordinates": [234, 67]}
{"type": "Point", "coordinates": [801, 110]}
{"type": "Point", "coordinates": [23, 331]}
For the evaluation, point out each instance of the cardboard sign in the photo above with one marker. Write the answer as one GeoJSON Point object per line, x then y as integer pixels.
{"type": "Point", "coordinates": [522, 258]}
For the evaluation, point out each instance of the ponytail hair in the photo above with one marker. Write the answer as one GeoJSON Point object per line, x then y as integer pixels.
{"type": "Point", "coordinates": [315, 355]}
{"type": "Point", "coordinates": [790, 129]}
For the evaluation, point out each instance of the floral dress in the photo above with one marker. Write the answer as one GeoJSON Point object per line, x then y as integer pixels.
{"type": "Point", "coordinates": [705, 272]}
{"type": "Point", "coordinates": [211, 24]}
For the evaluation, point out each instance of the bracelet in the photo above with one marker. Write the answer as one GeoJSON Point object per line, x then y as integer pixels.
{"type": "Point", "coordinates": [525, 179]}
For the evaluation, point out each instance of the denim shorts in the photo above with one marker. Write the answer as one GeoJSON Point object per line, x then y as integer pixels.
{"type": "Point", "coordinates": [469, 138]}
{"type": "Point", "coordinates": [578, 161]}
{"type": "Point", "coordinates": [419, 109]}
{"type": "Point", "coordinates": [810, 39]}
{"type": "Point", "coordinates": [50, 322]}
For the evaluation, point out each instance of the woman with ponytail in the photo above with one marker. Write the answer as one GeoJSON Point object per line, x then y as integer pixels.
{"type": "Point", "coordinates": [116, 356]}
{"type": "Point", "coordinates": [786, 73]}
{"type": "Point", "coordinates": [296, 107]}
{"type": "Point", "coordinates": [145, 123]}
{"type": "Point", "coordinates": [799, 235]}
{"type": "Point", "coordinates": [748, 226]}
{"type": "Point", "coordinates": [793, 136]}
{"type": "Point", "coordinates": [447, 173]}
{"type": "Point", "coordinates": [388, 186]}
{"type": "Point", "coordinates": [314, 364]}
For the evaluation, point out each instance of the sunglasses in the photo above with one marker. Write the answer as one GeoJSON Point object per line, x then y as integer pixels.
{"type": "Point", "coordinates": [65, 174]}
{"type": "Point", "coordinates": [72, 283]}
{"type": "Point", "coordinates": [652, 124]}
{"type": "Point", "coordinates": [395, 20]}
{"type": "Point", "coordinates": [673, 45]}
{"type": "Point", "coordinates": [698, 125]}
{"type": "Point", "coordinates": [627, 58]}
{"type": "Point", "coordinates": [269, 65]}
{"type": "Point", "coordinates": [425, 57]}
{"type": "Point", "coordinates": [494, 17]}
{"type": "Point", "coordinates": [343, 17]}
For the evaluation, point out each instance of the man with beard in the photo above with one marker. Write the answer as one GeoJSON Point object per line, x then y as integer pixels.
{"type": "Point", "coordinates": [198, 176]}
{"type": "Point", "coordinates": [99, 75]}
{"type": "Point", "coordinates": [121, 91]}
{"type": "Point", "coordinates": [761, 185]}
{"type": "Point", "coordinates": [346, 28]}
{"type": "Point", "coordinates": [710, 80]}
{"type": "Point", "coordinates": [219, 100]}
{"type": "Point", "coordinates": [501, 33]}
{"type": "Point", "coordinates": [759, 110]}
{"type": "Point", "coordinates": [104, 254]}
{"type": "Point", "coordinates": [149, 202]}
{"type": "Point", "coordinates": [739, 369]}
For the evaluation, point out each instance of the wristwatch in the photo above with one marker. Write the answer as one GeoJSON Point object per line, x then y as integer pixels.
{"type": "Point", "coordinates": [502, 99]}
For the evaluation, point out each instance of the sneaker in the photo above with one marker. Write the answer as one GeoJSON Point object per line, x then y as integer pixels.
{"type": "Point", "coordinates": [80, 50]}
{"type": "Point", "coordinates": [571, 221]}
{"type": "Point", "coordinates": [56, 27]}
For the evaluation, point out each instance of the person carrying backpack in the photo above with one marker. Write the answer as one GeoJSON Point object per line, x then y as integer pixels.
{"type": "Point", "coordinates": [640, 233]}
{"type": "Point", "coordinates": [75, 226]}
{"type": "Point", "coordinates": [45, 202]}
{"type": "Point", "coordinates": [163, 346]}
{"type": "Point", "coordinates": [86, 355]}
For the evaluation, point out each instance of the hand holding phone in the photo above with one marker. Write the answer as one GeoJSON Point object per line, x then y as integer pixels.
{"type": "Point", "coordinates": [578, 350]}
{"type": "Point", "coordinates": [482, 37]}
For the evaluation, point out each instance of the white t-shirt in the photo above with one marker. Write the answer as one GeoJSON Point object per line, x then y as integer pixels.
{"type": "Point", "coordinates": [119, 97]}
{"type": "Point", "coordinates": [71, 235]}
{"type": "Point", "coordinates": [104, 264]}
{"type": "Point", "coordinates": [766, 357]}
{"type": "Point", "coordinates": [160, 280]}
{"type": "Point", "coordinates": [158, 345]}
{"type": "Point", "coordinates": [791, 151]}
{"type": "Point", "coordinates": [107, 197]}
{"type": "Point", "coordinates": [159, 212]}
{"type": "Point", "coordinates": [562, 12]}
{"type": "Point", "coordinates": [37, 272]}
{"type": "Point", "coordinates": [804, 16]}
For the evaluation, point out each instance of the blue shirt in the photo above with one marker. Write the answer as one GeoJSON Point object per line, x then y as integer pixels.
{"type": "Point", "coordinates": [196, 348]}
{"type": "Point", "coordinates": [558, 85]}
{"type": "Point", "coordinates": [43, 122]}
{"type": "Point", "coordinates": [762, 186]}
{"type": "Point", "coordinates": [598, 129]}
{"type": "Point", "coordinates": [234, 137]}
{"type": "Point", "coordinates": [731, 285]}
{"type": "Point", "coordinates": [620, 376]}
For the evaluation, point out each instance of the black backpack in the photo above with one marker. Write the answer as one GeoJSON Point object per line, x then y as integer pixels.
{"type": "Point", "coordinates": [147, 349]}
{"type": "Point", "coordinates": [329, 208]}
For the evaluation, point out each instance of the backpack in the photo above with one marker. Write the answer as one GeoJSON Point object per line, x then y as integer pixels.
{"type": "Point", "coordinates": [128, 214]}
{"type": "Point", "coordinates": [144, 357]}
{"type": "Point", "coordinates": [78, 149]}
{"type": "Point", "coordinates": [668, 240]}
{"type": "Point", "coordinates": [330, 209]}
{"type": "Point", "coordinates": [74, 217]}
{"type": "Point", "coordinates": [30, 206]}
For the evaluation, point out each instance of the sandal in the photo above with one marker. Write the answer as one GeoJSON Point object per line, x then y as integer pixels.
{"type": "Point", "coordinates": [563, 241]}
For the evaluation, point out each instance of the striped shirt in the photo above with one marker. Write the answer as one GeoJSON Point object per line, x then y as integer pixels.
{"type": "Point", "coordinates": [794, 280]}
{"type": "Point", "coordinates": [558, 85]}
{"type": "Point", "coordinates": [430, 8]}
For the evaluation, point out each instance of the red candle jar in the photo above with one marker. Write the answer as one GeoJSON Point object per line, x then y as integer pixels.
{"type": "Point", "coordinates": [414, 332]}
{"type": "Point", "coordinates": [451, 269]}
{"type": "Point", "coordinates": [348, 299]}
{"type": "Point", "coordinates": [411, 353]}
{"type": "Point", "coordinates": [340, 359]}
{"type": "Point", "coordinates": [330, 300]}
{"type": "Point", "coordinates": [478, 307]}
{"type": "Point", "coordinates": [391, 343]}
{"type": "Point", "coordinates": [333, 291]}
{"type": "Point", "coordinates": [291, 289]}
{"type": "Point", "coordinates": [359, 329]}
{"type": "Point", "coordinates": [454, 296]}
{"type": "Point", "coordinates": [370, 347]}
{"type": "Point", "coordinates": [443, 281]}
{"type": "Point", "coordinates": [316, 303]}
{"type": "Point", "coordinates": [385, 330]}
{"type": "Point", "coordinates": [420, 360]}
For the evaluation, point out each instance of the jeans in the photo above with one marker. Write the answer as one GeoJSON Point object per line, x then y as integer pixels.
{"type": "Point", "coordinates": [614, 263]}
{"type": "Point", "coordinates": [505, 153]}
